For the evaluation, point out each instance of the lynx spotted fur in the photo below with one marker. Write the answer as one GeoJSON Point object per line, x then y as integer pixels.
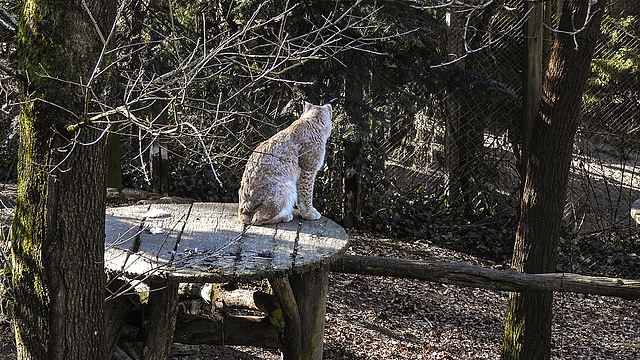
{"type": "Point", "coordinates": [281, 171]}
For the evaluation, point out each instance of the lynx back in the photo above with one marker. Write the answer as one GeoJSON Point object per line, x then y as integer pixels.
{"type": "Point", "coordinates": [281, 171]}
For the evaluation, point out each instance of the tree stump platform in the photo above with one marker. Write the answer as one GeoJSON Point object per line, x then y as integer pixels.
{"type": "Point", "coordinates": [168, 244]}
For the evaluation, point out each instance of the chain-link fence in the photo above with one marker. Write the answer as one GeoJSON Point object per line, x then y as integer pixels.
{"type": "Point", "coordinates": [451, 172]}
{"type": "Point", "coordinates": [603, 238]}
{"type": "Point", "coordinates": [423, 153]}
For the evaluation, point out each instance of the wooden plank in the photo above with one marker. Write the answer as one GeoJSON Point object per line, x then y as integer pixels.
{"type": "Point", "coordinates": [257, 251]}
{"type": "Point", "coordinates": [209, 239]}
{"type": "Point", "coordinates": [319, 244]}
{"type": "Point", "coordinates": [228, 251]}
{"type": "Point", "coordinates": [163, 226]}
{"type": "Point", "coordinates": [122, 225]}
{"type": "Point", "coordinates": [216, 246]}
{"type": "Point", "coordinates": [215, 243]}
{"type": "Point", "coordinates": [140, 239]}
{"type": "Point", "coordinates": [123, 262]}
{"type": "Point", "coordinates": [284, 247]}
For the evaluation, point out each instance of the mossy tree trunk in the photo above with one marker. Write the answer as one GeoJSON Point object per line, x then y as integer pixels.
{"type": "Point", "coordinates": [58, 228]}
{"type": "Point", "coordinates": [528, 325]}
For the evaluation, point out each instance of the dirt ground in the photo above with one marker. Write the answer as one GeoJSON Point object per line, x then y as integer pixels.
{"type": "Point", "coordinates": [388, 318]}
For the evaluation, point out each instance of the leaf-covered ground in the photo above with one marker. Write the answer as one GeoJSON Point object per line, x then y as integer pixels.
{"type": "Point", "coordinates": [388, 318]}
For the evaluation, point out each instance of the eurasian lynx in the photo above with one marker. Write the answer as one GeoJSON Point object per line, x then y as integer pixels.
{"type": "Point", "coordinates": [281, 170]}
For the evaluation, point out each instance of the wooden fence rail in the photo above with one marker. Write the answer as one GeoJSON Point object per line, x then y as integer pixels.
{"type": "Point", "coordinates": [463, 274]}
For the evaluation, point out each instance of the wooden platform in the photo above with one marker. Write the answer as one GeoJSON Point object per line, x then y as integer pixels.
{"type": "Point", "coordinates": [168, 244]}
{"type": "Point", "coordinates": [204, 242]}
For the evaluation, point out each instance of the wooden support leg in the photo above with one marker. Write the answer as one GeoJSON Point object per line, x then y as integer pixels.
{"type": "Point", "coordinates": [291, 344]}
{"type": "Point", "coordinates": [115, 313]}
{"type": "Point", "coordinates": [161, 323]}
{"type": "Point", "coordinates": [310, 290]}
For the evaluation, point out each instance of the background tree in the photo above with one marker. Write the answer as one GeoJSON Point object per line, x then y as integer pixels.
{"type": "Point", "coordinates": [529, 316]}
{"type": "Point", "coordinates": [58, 228]}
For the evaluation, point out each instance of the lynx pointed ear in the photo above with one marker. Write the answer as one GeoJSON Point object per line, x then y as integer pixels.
{"type": "Point", "coordinates": [332, 102]}
{"type": "Point", "coordinates": [307, 106]}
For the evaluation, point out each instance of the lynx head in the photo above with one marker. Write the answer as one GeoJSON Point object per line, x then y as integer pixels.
{"type": "Point", "coordinates": [324, 111]}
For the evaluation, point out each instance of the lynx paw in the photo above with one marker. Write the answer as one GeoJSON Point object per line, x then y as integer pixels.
{"type": "Point", "coordinates": [310, 214]}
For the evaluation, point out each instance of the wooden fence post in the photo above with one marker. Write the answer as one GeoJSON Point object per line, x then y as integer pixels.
{"type": "Point", "coordinates": [533, 71]}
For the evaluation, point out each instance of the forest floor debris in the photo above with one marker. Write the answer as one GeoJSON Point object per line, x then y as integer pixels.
{"type": "Point", "coordinates": [389, 318]}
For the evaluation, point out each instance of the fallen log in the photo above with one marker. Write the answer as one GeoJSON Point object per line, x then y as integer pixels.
{"type": "Point", "coordinates": [463, 274]}
{"type": "Point", "coordinates": [235, 299]}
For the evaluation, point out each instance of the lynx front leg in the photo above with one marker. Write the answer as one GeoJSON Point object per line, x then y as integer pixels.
{"type": "Point", "coordinates": [305, 196]}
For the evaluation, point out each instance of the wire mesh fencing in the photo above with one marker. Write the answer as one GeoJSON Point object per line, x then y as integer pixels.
{"type": "Point", "coordinates": [603, 238]}
{"type": "Point", "coordinates": [449, 173]}
{"type": "Point", "coordinates": [430, 154]}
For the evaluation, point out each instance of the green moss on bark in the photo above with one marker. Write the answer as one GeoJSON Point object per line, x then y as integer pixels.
{"type": "Point", "coordinates": [513, 334]}
{"type": "Point", "coordinates": [58, 227]}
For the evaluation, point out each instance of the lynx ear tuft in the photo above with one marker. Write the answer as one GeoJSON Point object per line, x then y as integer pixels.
{"type": "Point", "coordinates": [332, 102]}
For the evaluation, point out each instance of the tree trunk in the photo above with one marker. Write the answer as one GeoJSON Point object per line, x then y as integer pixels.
{"type": "Point", "coordinates": [58, 228]}
{"type": "Point", "coordinates": [528, 324]}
